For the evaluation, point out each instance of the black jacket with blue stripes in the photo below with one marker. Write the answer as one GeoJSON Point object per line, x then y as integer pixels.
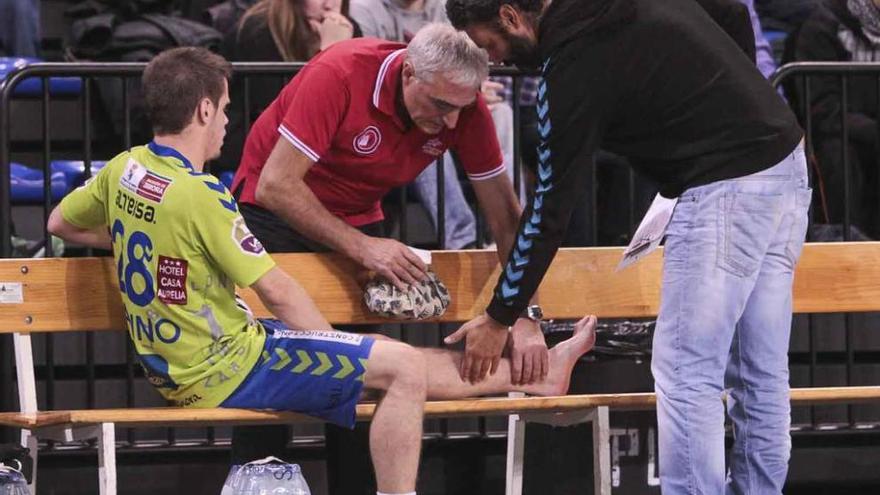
{"type": "Point", "coordinates": [670, 84]}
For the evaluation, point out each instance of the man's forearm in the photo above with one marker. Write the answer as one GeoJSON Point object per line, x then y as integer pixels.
{"type": "Point", "coordinates": [299, 312]}
{"type": "Point", "coordinates": [301, 209]}
{"type": "Point", "coordinates": [285, 298]}
{"type": "Point", "coordinates": [96, 238]}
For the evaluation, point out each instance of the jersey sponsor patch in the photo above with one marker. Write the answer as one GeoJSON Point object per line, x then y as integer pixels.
{"type": "Point", "coordinates": [172, 280]}
{"type": "Point", "coordinates": [146, 184]}
{"type": "Point", "coordinates": [134, 207]}
{"type": "Point", "coordinates": [325, 335]}
{"type": "Point", "coordinates": [368, 141]}
{"type": "Point", "coordinates": [247, 242]}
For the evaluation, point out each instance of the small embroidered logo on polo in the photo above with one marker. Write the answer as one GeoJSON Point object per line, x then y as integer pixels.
{"type": "Point", "coordinates": [368, 141]}
{"type": "Point", "coordinates": [433, 147]}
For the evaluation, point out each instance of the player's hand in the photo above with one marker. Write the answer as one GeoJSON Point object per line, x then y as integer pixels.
{"type": "Point", "coordinates": [490, 91]}
{"type": "Point", "coordinates": [392, 260]}
{"type": "Point", "coordinates": [334, 28]}
{"type": "Point", "coordinates": [484, 342]}
{"type": "Point", "coordinates": [529, 357]}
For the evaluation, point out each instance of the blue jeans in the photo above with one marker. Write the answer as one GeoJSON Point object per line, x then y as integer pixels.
{"type": "Point", "coordinates": [461, 226]}
{"type": "Point", "coordinates": [724, 324]}
{"type": "Point", "coordinates": [20, 28]}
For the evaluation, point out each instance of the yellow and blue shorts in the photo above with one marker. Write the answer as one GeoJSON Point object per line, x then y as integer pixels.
{"type": "Point", "coordinates": [315, 372]}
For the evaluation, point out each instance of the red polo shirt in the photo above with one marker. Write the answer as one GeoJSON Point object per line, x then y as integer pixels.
{"type": "Point", "coordinates": [341, 111]}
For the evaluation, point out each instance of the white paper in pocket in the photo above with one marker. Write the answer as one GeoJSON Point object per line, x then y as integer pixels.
{"type": "Point", "coordinates": [650, 232]}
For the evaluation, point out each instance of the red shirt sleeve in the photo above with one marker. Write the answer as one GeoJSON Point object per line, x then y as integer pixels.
{"type": "Point", "coordinates": [477, 144]}
{"type": "Point", "coordinates": [316, 101]}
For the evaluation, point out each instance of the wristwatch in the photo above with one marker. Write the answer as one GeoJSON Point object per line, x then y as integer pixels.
{"type": "Point", "coordinates": [533, 312]}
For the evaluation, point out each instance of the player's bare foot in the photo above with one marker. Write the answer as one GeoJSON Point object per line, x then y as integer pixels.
{"type": "Point", "coordinates": [563, 358]}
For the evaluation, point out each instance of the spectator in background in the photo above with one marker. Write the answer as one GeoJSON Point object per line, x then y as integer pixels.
{"type": "Point", "coordinates": [19, 28]}
{"type": "Point", "coordinates": [396, 20]}
{"type": "Point", "coordinates": [844, 31]}
{"type": "Point", "coordinates": [400, 20]}
{"type": "Point", "coordinates": [291, 30]}
{"type": "Point", "coordinates": [763, 52]}
{"type": "Point", "coordinates": [277, 31]}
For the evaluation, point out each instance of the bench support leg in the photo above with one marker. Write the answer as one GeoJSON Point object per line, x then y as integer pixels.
{"type": "Point", "coordinates": [601, 451]}
{"type": "Point", "coordinates": [107, 459]}
{"type": "Point", "coordinates": [516, 439]}
{"type": "Point", "coordinates": [598, 416]}
{"type": "Point", "coordinates": [31, 442]}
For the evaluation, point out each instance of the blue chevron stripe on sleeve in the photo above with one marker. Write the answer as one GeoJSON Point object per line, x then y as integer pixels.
{"type": "Point", "coordinates": [544, 155]}
{"type": "Point", "coordinates": [544, 172]}
{"type": "Point", "coordinates": [512, 275]}
{"type": "Point", "coordinates": [523, 244]}
{"type": "Point", "coordinates": [536, 218]}
{"type": "Point", "coordinates": [507, 291]}
{"type": "Point", "coordinates": [543, 187]}
{"type": "Point", "coordinates": [542, 110]}
{"type": "Point", "coordinates": [229, 204]}
{"type": "Point", "coordinates": [531, 229]}
{"type": "Point", "coordinates": [518, 259]}
{"type": "Point", "coordinates": [542, 91]}
{"type": "Point", "coordinates": [216, 186]}
{"type": "Point", "coordinates": [544, 129]}
{"type": "Point", "coordinates": [538, 203]}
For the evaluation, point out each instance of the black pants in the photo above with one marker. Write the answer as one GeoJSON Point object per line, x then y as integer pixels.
{"type": "Point", "coordinates": [349, 471]}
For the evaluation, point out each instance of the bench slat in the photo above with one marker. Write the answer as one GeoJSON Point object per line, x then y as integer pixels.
{"type": "Point", "coordinates": [172, 416]}
{"type": "Point", "coordinates": [81, 293]}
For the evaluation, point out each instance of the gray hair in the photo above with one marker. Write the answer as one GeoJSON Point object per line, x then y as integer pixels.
{"type": "Point", "coordinates": [439, 49]}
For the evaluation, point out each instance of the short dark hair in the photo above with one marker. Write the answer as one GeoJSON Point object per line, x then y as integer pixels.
{"type": "Point", "coordinates": [464, 13]}
{"type": "Point", "coordinates": [176, 80]}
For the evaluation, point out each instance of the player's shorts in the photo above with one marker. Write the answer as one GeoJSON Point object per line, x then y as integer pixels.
{"type": "Point", "coordinates": [319, 373]}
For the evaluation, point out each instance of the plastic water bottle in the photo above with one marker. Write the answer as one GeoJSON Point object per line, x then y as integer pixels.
{"type": "Point", "coordinates": [269, 476]}
{"type": "Point", "coordinates": [12, 482]}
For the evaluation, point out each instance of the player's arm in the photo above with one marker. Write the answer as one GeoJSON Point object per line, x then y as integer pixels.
{"type": "Point", "coordinates": [314, 114]}
{"type": "Point", "coordinates": [477, 146]}
{"type": "Point", "coordinates": [95, 237]}
{"type": "Point", "coordinates": [289, 302]}
{"type": "Point", "coordinates": [283, 190]}
{"type": "Point", "coordinates": [81, 215]}
{"type": "Point", "coordinates": [499, 203]}
{"type": "Point", "coordinates": [222, 235]}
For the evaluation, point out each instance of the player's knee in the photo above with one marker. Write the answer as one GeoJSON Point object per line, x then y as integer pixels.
{"type": "Point", "coordinates": [410, 375]}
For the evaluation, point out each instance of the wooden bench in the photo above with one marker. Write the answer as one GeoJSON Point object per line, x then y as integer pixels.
{"type": "Point", "coordinates": [840, 277]}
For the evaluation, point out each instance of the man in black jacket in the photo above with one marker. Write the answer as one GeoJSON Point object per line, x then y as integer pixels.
{"type": "Point", "coordinates": [671, 86]}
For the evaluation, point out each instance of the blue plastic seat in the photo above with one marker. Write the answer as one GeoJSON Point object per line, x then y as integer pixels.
{"type": "Point", "coordinates": [772, 35]}
{"type": "Point", "coordinates": [74, 170]}
{"type": "Point", "coordinates": [32, 86]}
{"type": "Point", "coordinates": [26, 185]}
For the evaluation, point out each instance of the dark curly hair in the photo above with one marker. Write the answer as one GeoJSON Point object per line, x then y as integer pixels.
{"type": "Point", "coordinates": [463, 13]}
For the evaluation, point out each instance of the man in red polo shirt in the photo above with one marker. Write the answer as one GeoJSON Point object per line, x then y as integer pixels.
{"type": "Point", "coordinates": [363, 117]}
{"type": "Point", "coordinates": [357, 122]}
